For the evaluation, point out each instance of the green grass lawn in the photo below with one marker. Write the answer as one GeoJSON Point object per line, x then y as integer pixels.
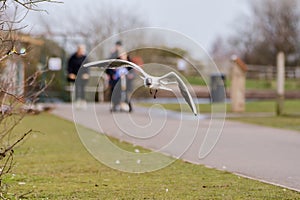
{"type": "Point", "coordinates": [290, 84]}
{"type": "Point", "coordinates": [290, 107]}
{"type": "Point", "coordinates": [252, 84]}
{"type": "Point", "coordinates": [283, 122]}
{"type": "Point", "coordinates": [53, 164]}
{"type": "Point", "coordinates": [290, 120]}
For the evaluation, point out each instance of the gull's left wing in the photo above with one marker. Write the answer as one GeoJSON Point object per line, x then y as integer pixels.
{"type": "Point", "coordinates": [183, 89]}
{"type": "Point", "coordinates": [114, 63]}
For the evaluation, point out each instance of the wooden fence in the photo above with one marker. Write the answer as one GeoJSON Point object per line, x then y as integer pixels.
{"type": "Point", "coordinates": [269, 72]}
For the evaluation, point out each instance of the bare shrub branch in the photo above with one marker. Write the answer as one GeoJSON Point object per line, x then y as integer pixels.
{"type": "Point", "coordinates": [13, 103]}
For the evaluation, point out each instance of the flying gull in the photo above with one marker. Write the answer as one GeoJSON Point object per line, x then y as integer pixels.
{"type": "Point", "coordinates": [152, 82]}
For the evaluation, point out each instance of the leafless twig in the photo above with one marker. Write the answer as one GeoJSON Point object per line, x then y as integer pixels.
{"type": "Point", "coordinates": [10, 148]}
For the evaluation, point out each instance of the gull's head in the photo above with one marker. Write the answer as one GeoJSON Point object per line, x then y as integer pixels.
{"type": "Point", "coordinates": [148, 82]}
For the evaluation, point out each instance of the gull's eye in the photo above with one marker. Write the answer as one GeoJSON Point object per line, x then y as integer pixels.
{"type": "Point", "coordinates": [148, 81]}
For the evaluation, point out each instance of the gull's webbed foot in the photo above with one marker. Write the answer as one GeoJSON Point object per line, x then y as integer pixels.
{"type": "Point", "coordinates": [155, 94]}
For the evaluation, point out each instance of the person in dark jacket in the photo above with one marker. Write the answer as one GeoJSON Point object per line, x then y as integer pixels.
{"type": "Point", "coordinates": [112, 76]}
{"type": "Point", "coordinates": [78, 73]}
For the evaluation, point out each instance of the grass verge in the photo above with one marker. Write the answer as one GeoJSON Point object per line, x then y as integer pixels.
{"type": "Point", "coordinates": [255, 84]}
{"type": "Point", "coordinates": [290, 120]}
{"type": "Point", "coordinates": [53, 164]}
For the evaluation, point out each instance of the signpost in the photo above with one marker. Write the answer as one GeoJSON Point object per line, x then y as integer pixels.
{"type": "Point", "coordinates": [54, 64]}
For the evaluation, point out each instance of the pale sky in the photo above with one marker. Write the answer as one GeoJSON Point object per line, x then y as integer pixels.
{"type": "Point", "coordinates": [200, 20]}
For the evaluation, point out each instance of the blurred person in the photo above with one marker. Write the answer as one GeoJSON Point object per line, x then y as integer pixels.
{"type": "Point", "coordinates": [118, 93]}
{"type": "Point", "coordinates": [129, 81]}
{"type": "Point", "coordinates": [117, 50]}
{"type": "Point", "coordinates": [123, 86]}
{"type": "Point", "coordinates": [130, 78]}
{"type": "Point", "coordinates": [111, 73]}
{"type": "Point", "coordinates": [81, 75]}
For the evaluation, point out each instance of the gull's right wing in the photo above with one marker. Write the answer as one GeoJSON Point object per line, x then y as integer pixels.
{"type": "Point", "coordinates": [183, 89]}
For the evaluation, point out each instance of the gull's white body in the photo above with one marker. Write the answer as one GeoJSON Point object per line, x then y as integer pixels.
{"type": "Point", "coordinates": [157, 83]}
{"type": "Point", "coordinates": [152, 82]}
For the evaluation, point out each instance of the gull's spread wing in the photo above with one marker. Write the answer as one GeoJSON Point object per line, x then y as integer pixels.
{"type": "Point", "coordinates": [115, 63]}
{"type": "Point", "coordinates": [183, 89]}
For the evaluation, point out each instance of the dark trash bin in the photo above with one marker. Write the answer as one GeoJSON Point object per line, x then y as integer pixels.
{"type": "Point", "coordinates": [217, 88]}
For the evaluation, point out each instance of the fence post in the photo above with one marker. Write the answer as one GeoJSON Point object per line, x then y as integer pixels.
{"type": "Point", "coordinates": [280, 82]}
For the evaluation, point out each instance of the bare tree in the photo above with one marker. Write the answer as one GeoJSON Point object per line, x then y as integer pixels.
{"type": "Point", "coordinates": [271, 26]}
{"type": "Point", "coordinates": [93, 24]}
{"type": "Point", "coordinates": [104, 20]}
{"type": "Point", "coordinates": [13, 100]}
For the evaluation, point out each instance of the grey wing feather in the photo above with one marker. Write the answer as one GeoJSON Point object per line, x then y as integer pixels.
{"type": "Point", "coordinates": [184, 91]}
{"type": "Point", "coordinates": [104, 64]}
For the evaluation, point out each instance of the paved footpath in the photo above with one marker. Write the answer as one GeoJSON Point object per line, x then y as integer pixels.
{"type": "Point", "coordinates": [267, 154]}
